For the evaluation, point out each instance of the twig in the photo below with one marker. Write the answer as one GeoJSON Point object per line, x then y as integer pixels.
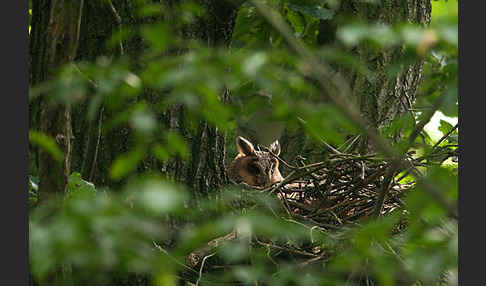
{"type": "Point", "coordinates": [445, 136]}
{"type": "Point", "coordinates": [427, 116]}
{"type": "Point", "coordinates": [95, 156]}
{"type": "Point", "coordinates": [202, 265]}
{"type": "Point", "coordinates": [334, 150]}
{"type": "Point", "coordinates": [119, 22]}
{"type": "Point", "coordinates": [320, 257]}
{"type": "Point", "coordinates": [91, 81]}
{"type": "Point", "coordinates": [284, 181]}
{"type": "Point", "coordinates": [270, 257]}
{"type": "Point", "coordinates": [337, 89]}
{"type": "Point", "coordinates": [284, 202]}
{"type": "Point", "coordinates": [285, 249]}
{"type": "Point", "coordinates": [348, 142]}
{"type": "Point", "coordinates": [174, 259]}
{"type": "Point", "coordinates": [278, 158]}
{"type": "Point", "coordinates": [385, 187]}
{"type": "Point", "coordinates": [432, 190]}
{"type": "Point", "coordinates": [288, 179]}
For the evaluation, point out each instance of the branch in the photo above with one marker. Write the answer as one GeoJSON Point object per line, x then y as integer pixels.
{"type": "Point", "coordinates": [202, 266]}
{"type": "Point", "coordinates": [196, 255]}
{"type": "Point", "coordinates": [339, 91]}
{"type": "Point", "coordinates": [445, 136]}
{"type": "Point", "coordinates": [118, 21]}
{"type": "Point", "coordinates": [420, 126]}
{"type": "Point", "coordinates": [385, 187]}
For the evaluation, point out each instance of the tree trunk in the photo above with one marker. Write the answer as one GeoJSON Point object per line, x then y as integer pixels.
{"type": "Point", "coordinates": [53, 43]}
{"type": "Point", "coordinates": [382, 98]}
{"type": "Point", "coordinates": [204, 172]}
{"type": "Point", "coordinates": [54, 40]}
{"type": "Point", "coordinates": [95, 151]}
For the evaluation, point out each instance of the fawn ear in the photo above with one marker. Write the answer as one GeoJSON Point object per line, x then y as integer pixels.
{"type": "Point", "coordinates": [244, 146]}
{"type": "Point", "coordinates": [275, 147]}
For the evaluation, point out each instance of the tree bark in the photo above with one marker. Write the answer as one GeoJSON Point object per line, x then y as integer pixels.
{"type": "Point", "coordinates": [54, 41]}
{"type": "Point", "coordinates": [382, 98]}
{"type": "Point", "coordinates": [204, 172]}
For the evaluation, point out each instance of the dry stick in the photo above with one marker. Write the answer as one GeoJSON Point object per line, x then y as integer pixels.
{"type": "Point", "coordinates": [288, 179]}
{"type": "Point", "coordinates": [337, 153]}
{"type": "Point", "coordinates": [437, 195]}
{"type": "Point", "coordinates": [420, 159]}
{"type": "Point", "coordinates": [284, 248]}
{"type": "Point", "coordinates": [385, 187]}
{"type": "Point", "coordinates": [348, 143]}
{"type": "Point", "coordinates": [285, 203]}
{"type": "Point", "coordinates": [314, 222]}
{"type": "Point", "coordinates": [95, 86]}
{"type": "Point", "coordinates": [85, 152]}
{"type": "Point", "coordinates": [321, 71]}
{"type": "Point", "coordinates": [119, 22]}
{"type": "Point", "coordinates": [445, 135]}
{"type": "Point", "coordinates": [355, 188]}
{"type": "Point", "coordinates": [284, 181]}
{"type": "Point", "coordinates": [202, 265]}
{"type": "Point", "coordinates": [395, 165]}
{"type": "Point", "coordinates": [279, 159]}
{"type": "Point", "coordinates": [270, 257]}
{"type": "Point", "coordinates": [427, 116]}
{"type": "Point", "coordinates": [95, 156]}
{"type": "Point", "coordinates": [173, 258]}
{"type": "Point", "coordinates": [307, 262]}
{"type": "Point", "coordinates": [334, 150]}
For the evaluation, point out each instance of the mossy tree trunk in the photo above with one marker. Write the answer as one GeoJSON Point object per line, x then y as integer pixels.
{"type": "Point", "coordinates": [95, 149]}
{"type": "Point", "coordinates": [381, 98]}
{"type": "Point", "coordinates": [204, 172]}
{"type": "Point", "coordinates": [53, 43]}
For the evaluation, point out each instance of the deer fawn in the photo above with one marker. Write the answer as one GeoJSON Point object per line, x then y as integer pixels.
{"type": "Point", "coordinates": [255, 168]}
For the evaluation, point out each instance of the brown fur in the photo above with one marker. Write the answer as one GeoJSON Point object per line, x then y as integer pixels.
{"type": "Point", "coordinates": [255, 168]}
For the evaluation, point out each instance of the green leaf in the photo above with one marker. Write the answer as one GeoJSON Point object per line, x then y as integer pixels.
{"type": "Point", "coordinates": [33, 190]}
{"type": "Point", "coordinates": [313, 11]}
{"type": "Point", "coordinates": [78, 187]}
{"type": "Point", "coordinates": [124, 34]}
{"type": "Point", "coordinates": [254, 63]}
{"type": "Point", "coordinates": [126, 163]}
{"type": "Point", "coordinates": [445, 126]}
{"type": "Point", "coordinates": [450, 105]}
{"type": "Point", "coordinates": [176, 144]}
{"type": "Point", "coordinates": [47, 143]}
{"type": "Point", "coordinates": [297, 21]}
{"type": "Point", "coordinates": [157, 35]}
{"type": "Point", "coordinates": [143, 121]}
{"type": "Point", "coordinates": [443, 8]}
{"type": "Point", "coordinates": [160, 152]}
{"type": "Point", "coordinates": [351, 34]}
{"type": "Point", "coordinates": [159, 197]}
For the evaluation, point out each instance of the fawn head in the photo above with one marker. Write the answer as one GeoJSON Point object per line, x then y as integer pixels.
{"type": "Point", "coordinates": [255, 168]}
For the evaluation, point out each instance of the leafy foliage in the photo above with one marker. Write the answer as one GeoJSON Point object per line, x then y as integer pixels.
{"type": "Point", "coordinates": [151, 224]}
{"type": "Point", "coordinates": [79, 187]}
